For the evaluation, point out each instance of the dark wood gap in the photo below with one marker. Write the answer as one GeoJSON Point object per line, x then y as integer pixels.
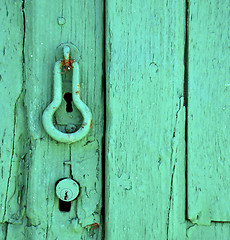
{"type": "Point", "coordinates": [24, 33]}
{"type": "Point", "coordinates": [104, 132]}
{"type": "Point", "coordinates": [186, 62]}
{"type": "Point", "coordinates": [221, 222]}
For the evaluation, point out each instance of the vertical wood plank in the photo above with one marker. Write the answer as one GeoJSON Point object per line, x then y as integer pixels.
{"type": "Point", "coordinates": [208, 112]}
{"type": "Point", "coordinates": [36, 33]}
{"type": "Point", "coordinates": [12, 121]}
{"type": "Point", "coordinates": [83, 27]}
{"type": "Point", "coordinates": [145, 150]}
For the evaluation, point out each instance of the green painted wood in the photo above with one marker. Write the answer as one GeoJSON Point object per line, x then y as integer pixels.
{"type": "Point", "coordinates": [208, 112]}
{"type": "Point", "coordinates": [145, 147]}
{"type": "Point", "coordinates": [3, 230]}
{"type": "Point", "coordinates": [214, 231]}
{"type": "Point", "coordinates": [31, 161]}
{"type": "Point", "coordinates": [12, 132]}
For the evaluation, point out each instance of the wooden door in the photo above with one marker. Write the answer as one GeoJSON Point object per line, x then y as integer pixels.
{"type": "Point", "coordinates": [155, 162]}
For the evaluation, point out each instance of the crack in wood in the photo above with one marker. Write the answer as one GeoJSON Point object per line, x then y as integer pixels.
{"type": "Point", "coordinates": [181, 100]}
{"type": "Point", "coordinates": [170, 201]}
{"type": "Point", "coordinates": [6, 230]}
{"type": "Point", "coordinates": [12, 152]}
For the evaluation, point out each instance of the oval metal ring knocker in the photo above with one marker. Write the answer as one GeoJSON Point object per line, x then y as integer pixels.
{"type": "Point", "coordinates": [47, 117]}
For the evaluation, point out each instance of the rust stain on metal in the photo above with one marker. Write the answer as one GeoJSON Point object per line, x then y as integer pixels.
{"type": "Point", "coordinates": [66, 65]}
{"type": "Point", "coordinates": [92, 227]}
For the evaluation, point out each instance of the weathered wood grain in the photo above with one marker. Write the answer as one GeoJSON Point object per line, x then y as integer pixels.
{"type": "Point", "coordinates": [12, 131]}
{"type": "Point", "coordinates": [83, 27]}
{"type": "Point", "coordinates": [35, 30]}
{"type": "Point", "coordinates": [208, 112]}
{"type": "Point", "coordinates": [3, 230]}
{"type": "Point", "coordinates": [145, 146]}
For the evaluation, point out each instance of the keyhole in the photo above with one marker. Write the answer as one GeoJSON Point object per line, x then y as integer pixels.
{"type": "Point", "coordinates": [66, 195]}
{"type": "Point", "coordinates": [68, 98]}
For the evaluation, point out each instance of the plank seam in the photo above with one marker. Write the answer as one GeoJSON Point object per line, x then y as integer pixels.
{"type": "Point", "coordinates": [24, 33]}
{"type": "Point", "coordinates": [104, 130]}
{"type": "Point", "coordinates": [186, 103]}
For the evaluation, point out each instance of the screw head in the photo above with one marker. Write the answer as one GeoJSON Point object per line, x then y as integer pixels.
{"type": "Point", "coordinates": [67, 189]}
{"type": "Point", "coordinates": [61, 20]}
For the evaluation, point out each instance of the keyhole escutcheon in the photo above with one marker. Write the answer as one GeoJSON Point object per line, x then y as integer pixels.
{"type": "Point", "coordinates": [47, 117]}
